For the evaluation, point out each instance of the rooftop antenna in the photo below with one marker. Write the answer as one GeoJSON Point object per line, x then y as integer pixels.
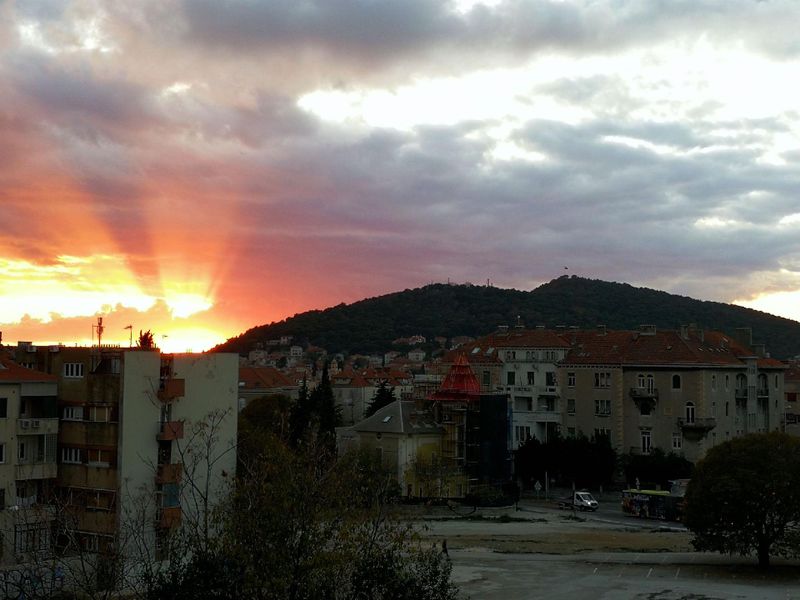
{"type": "Point", "coordinates": [130, 328]}
{"type": "Point", "coordinates": [99, 327]}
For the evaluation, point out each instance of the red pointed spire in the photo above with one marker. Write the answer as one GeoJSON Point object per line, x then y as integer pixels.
{"type": "Point", "coordinates": [460, 382]}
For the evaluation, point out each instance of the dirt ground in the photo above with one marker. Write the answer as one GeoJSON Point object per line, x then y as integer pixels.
{"type": "Point", "coordinates": [572, 542]}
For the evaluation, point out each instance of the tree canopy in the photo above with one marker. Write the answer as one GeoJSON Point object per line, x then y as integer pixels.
{"type": "Point", "coordinates": [384, 396]}
{"type": "Point", "coordinates": [744, 497]}
{"type": "Point", "coordinates": [453, 310]}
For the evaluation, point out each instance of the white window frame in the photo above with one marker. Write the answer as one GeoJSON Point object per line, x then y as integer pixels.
{"type": "Point", "coordinates": [690, 413]}
{"type": "Point", "coordinates": [677, 441]}
{"type": "Point", "coordinates": [647, 442]}
{"type": "Point", "coordinates": [72, 413]}
{"type": "Point", "coordinates": [602, 407]}
{"type": "Point", "coordinates": [71, 456]}
{"type": "Point", "coordinates": [73, 370]}
{"type": "Point", "coordinates": [102, 411]}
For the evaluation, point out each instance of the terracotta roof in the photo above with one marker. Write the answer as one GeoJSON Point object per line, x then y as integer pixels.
{"type": "Point", "coordinates": [255, 378]}
{"type": "Point", "coordinates": [11, 372]}
{"type": "Point", "coordinates": [666, 347]}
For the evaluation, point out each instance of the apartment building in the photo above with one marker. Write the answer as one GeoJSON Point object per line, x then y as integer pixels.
{"type": "Point", "coordinates": [681, 391]}
{"type": "Point", "coordinates": [28, 444]}
{"type": "Point", "coordinates": [522, 363]}
{"type": "Point", "coordinates": [130, 419]}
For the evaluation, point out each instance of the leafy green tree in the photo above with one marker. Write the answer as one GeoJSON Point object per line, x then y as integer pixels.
{"type": "Point", "coordinates": [744, 497]}
{"type": "Point", "coordinates": [384, 396]}
{"type": "Point", "coordinates": [301, 415]}
{"type": "Point", "coordinates": [327, 412]}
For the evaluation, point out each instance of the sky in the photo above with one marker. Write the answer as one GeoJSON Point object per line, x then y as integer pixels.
{"type": "Point", "coordinates": [199, 167]}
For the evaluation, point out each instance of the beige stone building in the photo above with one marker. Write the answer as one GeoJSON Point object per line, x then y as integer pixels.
{"type": "Point", "coordinates": [681, 391]}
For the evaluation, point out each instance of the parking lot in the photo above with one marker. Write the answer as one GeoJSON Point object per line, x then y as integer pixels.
{"type": "Point", "coordinates": [541, 552]}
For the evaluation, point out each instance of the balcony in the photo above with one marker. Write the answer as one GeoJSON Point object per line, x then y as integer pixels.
{"type": "Point", "coordinates": [169, 517]}
{"type": "Point", "coordinates": [171, 389]}
{"type": "Point", "coordinates": [40, 470]}
{"type": "Point", "coordinates": [763, 393]}
{"type": "Point", "coordinates": [546, 415]}
{"type": "Point", "coordinates": [549, 391]}
{"type": "Point", "coordinates": [170, 473]}
{"type": "Point", "coordinates": [170, 430]}
{"type": "Point", "coordinates": [697, 428]}
{"type": "Point", "coordinates": [645, 399]}
{"type": "Point", "coordinates": [638, 393]}
{"type": "Point", "coordinates": [37, 426]}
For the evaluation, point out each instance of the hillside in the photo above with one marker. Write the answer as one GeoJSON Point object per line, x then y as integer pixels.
{"type": "Point", "coordinates": [451, 310]}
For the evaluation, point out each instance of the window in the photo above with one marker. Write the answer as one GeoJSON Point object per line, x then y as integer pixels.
{"type": "Point", "coordinates": [73, 370]}
{"type": "Point", "coordinates": [713, 408]}
{"type": "Point", "coordinates": [689, 412]}
{"type": "Point", "coordinates": [570, 406]}
{"type": "Point", "coordinates": [550, 379]}
{"type": "Point", "coordinates": [571, 380]}
{"type": "Point", "coordinates": [602, 379]}
{"type": "Point", "coordinates": [21, 451]}
{"type": "Point", "coordinates": [602, 407]}
{"type": "Point", "coordinates": [3, 408]}
{"type": "Point", "coordinates": [2, 453]}
{"type": "Point", "coordinates": [676, 382]}
{"type": "Point", "coordinates": [646, 442]}
{"type": "Point", "coordinates": [523, 403]}
{"type": "Point", "coordinates": [487, 378]}
{"type": "Point", "coordinates": [602, 433]}
{"type": "Point", "coordinates": [776, 382]}
{"type": "Point", "coordinates": [99, 414]}
{"type": "Point", "coordinates": [727, 382]}
{"type": "Point", "coordinates": [165, 415]}
{"type": "Point", "coordinates": [510, 378]}
{"type": "Point", "coordinates": [530, 378]}
{"type": "Point", "coordinates": [727, 408]}
{"type": "Point", "coordinates": [71, 456]}
{"type": "Point", "coordinates": [714, 383]}
{"type": "Point", "coordinates": [73, 413]}
{"type": "Point", "coordinates": [677, 441]}
{"type": "Point", "coordinates": [98, 458]}
{"type": "Point", "coordinates": [640, 381]}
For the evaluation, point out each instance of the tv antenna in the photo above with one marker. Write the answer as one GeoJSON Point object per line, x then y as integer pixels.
{"type": "Point", "coordinates": [99, 328]}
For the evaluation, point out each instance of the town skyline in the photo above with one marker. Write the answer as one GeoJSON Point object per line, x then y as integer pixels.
{"type": "Point", "coordinates": [197, 168]}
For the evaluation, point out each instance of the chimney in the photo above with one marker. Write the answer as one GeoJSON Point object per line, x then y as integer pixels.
{"type": "Point", "coordinates": [647, 329]}
{"type": "Point", "coordinates": [685, 332]}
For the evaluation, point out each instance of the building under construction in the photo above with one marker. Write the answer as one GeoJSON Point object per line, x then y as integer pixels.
{"type": "Point", "coordinates": [477, 433]}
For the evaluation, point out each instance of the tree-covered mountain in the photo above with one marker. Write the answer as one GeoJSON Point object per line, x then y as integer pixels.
{"type": "Point", "coordinates": [452, 310]}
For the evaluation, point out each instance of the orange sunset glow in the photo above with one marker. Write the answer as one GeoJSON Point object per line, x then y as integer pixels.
{"type": "Point", "coordinates": [199, 168]}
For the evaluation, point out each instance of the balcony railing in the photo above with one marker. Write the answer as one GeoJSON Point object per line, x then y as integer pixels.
{"type": "Point", "coordinates": [169, 517]}
{"type": "Point", "coordinates": [170, 389]}
{"type": "Point", "coordinates": [700, 425]}
{"type": "Point", "coordinates": [637, 392]}
{"type": "Point", "coordinates": [36, 470]}
{"type": "Point", "coordinates": [35, 426]}
{"type": "Point", "coordinates": [170, 430]}
{"type": "Point", "coordinates": [170, 473]}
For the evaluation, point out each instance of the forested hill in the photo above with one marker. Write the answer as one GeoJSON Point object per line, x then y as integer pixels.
{"type": "Point", "coordinates": [452, 310]}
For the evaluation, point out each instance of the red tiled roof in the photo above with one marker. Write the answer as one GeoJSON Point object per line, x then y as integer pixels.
{"type": "Point", "coordinates": [263, 377]}
{"type": "Point", "coordinates": [12, 372]}
{"type": "Point", "coordinates": [667, 347]}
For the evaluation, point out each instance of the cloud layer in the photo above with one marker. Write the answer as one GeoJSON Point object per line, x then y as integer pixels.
{"type": "Point", "coordinates": [270, 157]}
